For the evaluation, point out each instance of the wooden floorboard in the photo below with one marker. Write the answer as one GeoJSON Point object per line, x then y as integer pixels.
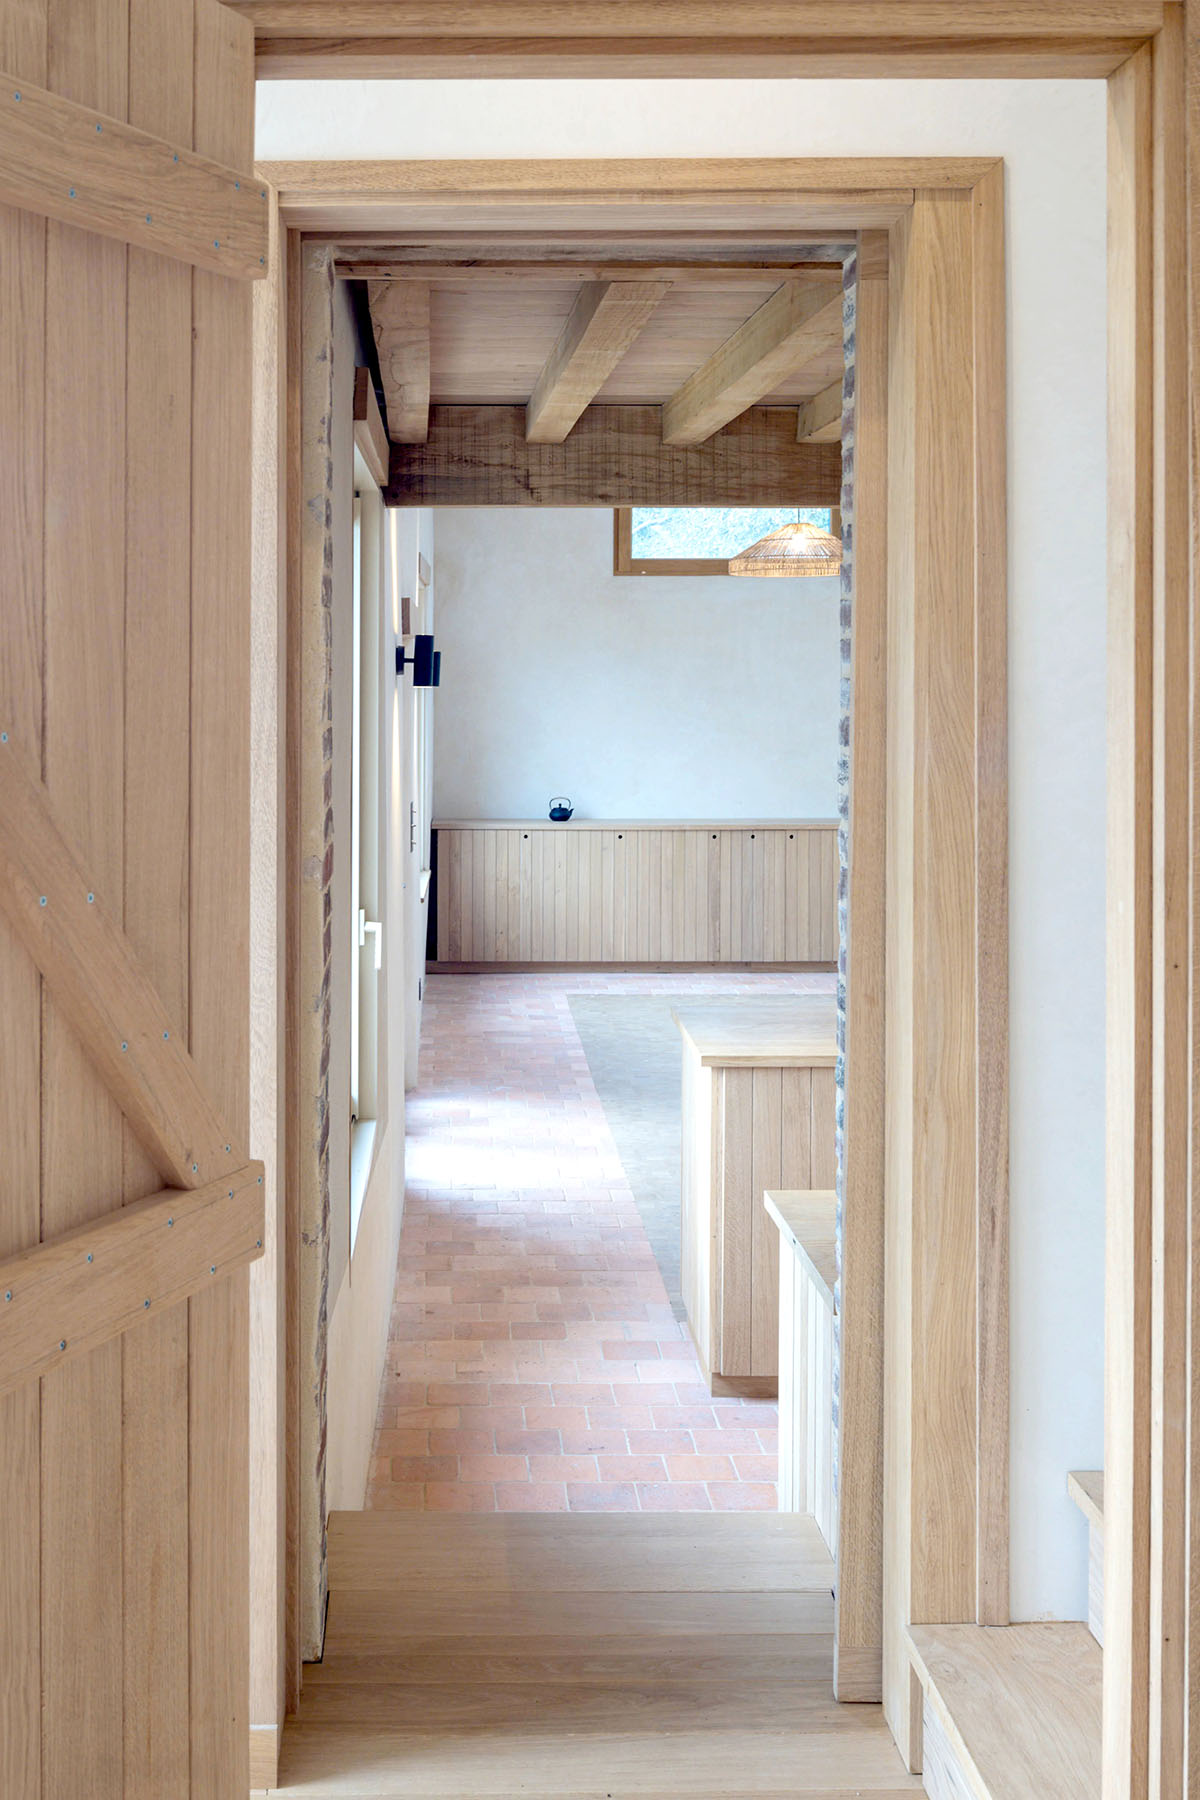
{"type": "Point", "coordinates": [581, 1656]}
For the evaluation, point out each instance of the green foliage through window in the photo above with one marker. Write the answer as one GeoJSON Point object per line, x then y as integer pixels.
{"type": "Point", "coordinates": [664, 533]}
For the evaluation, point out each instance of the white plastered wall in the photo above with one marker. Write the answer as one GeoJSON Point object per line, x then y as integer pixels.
{"type": "Point", "coordinates": [1052, 136]}
{"type": "Point", "coordinates": [669, 697]}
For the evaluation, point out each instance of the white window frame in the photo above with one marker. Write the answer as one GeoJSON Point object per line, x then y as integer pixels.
{"type": "Point", "coordinates": [366, 850]}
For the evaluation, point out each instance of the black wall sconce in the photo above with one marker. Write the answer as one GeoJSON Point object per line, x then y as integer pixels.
{"type": "Point", "coordinates": [425, 661]}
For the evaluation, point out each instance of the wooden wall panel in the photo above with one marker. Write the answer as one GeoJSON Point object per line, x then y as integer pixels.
{"type": "Point", "coordinates": [531, 893]}
{"type": "Point", "coordinates": [22, 401]}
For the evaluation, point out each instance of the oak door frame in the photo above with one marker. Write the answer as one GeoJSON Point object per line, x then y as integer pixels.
{"type": "Point", "coordinates": [473, 39]}
{"type": "Point", "coordinates": [873, 197]}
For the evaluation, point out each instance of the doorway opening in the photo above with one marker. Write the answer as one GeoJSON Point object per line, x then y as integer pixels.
{"type": "Point", "coordinates": [483, 452]}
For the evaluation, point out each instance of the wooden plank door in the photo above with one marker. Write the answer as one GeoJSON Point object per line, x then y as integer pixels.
{"type": "Point", "coordinates": [129, 1209]}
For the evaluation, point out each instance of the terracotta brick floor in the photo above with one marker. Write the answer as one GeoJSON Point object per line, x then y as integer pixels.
{"type": "Point", "coordinates": [534, 1363]}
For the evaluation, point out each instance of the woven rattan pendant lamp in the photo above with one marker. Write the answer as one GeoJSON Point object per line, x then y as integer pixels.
{"type": "Point", "coordinates": [793, 549]}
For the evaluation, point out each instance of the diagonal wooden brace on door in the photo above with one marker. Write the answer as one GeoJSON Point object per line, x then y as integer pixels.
{"type": "Point", "coordinates": [63, 1298]}
{"type": "Point", "coordinates": [102, 988]}
{"type": "Point", "coordinates": [70, 162]}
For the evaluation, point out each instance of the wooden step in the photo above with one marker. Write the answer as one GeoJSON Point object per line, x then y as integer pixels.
{"type": "Point", "coordinates": [1086, 1488]}
{"type": "Point", "coordinates": [529, 1553]}
{"type": "Point", "coordinates": [718, 1764]}
{"type": "Point", "coordinates": [390, 1621]}
{"type": "Point", "coordinates": [1011, 1712]}
{"type": "Point", "coordinates": [582, 1656]}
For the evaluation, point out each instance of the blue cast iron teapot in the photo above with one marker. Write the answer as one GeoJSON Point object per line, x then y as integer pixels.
{"type": "Point", "coordinates": [560, 808]}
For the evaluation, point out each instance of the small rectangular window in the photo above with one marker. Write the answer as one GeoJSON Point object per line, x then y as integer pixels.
{"type": "Point", "coordinates": [698, 540]}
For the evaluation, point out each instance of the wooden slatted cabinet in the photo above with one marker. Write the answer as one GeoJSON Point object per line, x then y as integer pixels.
{"type": "Point", "coordinates": [758, 1114]}
{"type": "Point", "coordinates": [636, 891]}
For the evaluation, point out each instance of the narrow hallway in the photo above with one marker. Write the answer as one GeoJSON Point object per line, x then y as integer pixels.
{"type": "Point", "coordinates": [535, 1361]}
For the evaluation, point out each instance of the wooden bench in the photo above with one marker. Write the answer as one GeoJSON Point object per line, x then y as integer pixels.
{"type": "Point", "coordinates": [1011, 1712]}
{"type": "Point", "coordinates": [1086, 1488]}
{"type": "Point", "coordinates": [807, 1323]}
{"type": "Point", "coordinates": [758, 1113]}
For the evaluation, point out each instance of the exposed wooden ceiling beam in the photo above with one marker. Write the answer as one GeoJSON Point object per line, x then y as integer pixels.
{"type": "Point", "coordinates": [800, 320]}
{"type": "Point", "coordinates": [501, 273]}
{"type": "Point", "coordinates": [479, 456]}
{"type": "Point", "coordinates": [400, 316]}
{"type": "Point", "coordinates": [604, 321]}
{"type": "Point", "coordinates": [820, 419]}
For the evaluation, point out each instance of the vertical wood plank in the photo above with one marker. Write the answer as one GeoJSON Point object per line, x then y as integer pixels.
{"type": "Point", "coordinates": [858, 1614]}
{"type": "Point", "coordinates": [22, 404]}
{"type": "Point", "coordinates": [621, 899]}
{"type": "Point", "coordinates": [560, 850]}
{"type": "Point", "coordinates": [944, 1035]}
{"type": "Point", "coordinates": [899, 1085]}
{"type": "Point", "coordinates": [796, 1126]}
{"type": "Point", "coordinates": [692, 850]}
{"type": "Point", "coordinates": [797, 896]}
{"type": "Point", "coordinates": [607, 897]}
{"type": "Point", "coordinates": [157, 757]}
{"type": "Point", "coordinates": [824, 1128]}
{"type": "Point", "coordinates": [83, 742]}
{"type": "Point", "coordinates": [1191, 1519]}
{"type": "Point", "coordinates": [775, 940]}
{"type": "Point", "coordinates": [765, 1172]}
{"type": "Point", "coordinates": [449, 896]}
{"type": "Point", "coordinates": [467, 937]}
{"type": "Point", "coordinates": [537, 892]}
{"type": "Point", "coordinates": [481, 888]}
{"type": "Point", "coordinates": [550, 890]}
{"type": "Point", "coordinates": [930, 1428]}
{"type": "Point", "coordinates": [515, 921]}
{"type": "Point", "coordinates": [1129, 1134]}
{"type": "Point", "coordinates": [817, 938]}
{"type": "Point", "coordinates": [527, 891]}
{"type": "Point", "coordinates": [755, 896]}
{"type": "Point", "coordinates": [736, 1228]}
{"type": "Point", "coordinates": [1169, 1565]}
{"type": "Point", "coordinates": [713, 941]}
{"type": "Point", "coordinates": [590, 921]}
{"type": "Point", "coordinates": [219, 1007]}
{"type": "Point", "coordinates": [485, 893]}
{"type": "Point", "coordinates": [651, 849]}
{"type": "Point", "coordinates": [268, 1032]}
{"type": "Point", "coordinates": [789, 1398]}
{"type": "Point", "coordinates": [991, 886]}
{"type": "Point", "coordinates": [572, 851]}
{"type": "Point", "coordinates": [733, 875]}
{"type": "Point", "coordinates": [500, 950]}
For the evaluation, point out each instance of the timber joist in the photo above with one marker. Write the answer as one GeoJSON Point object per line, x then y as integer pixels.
{"type": "Point", "coordinates": [74, 163]}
